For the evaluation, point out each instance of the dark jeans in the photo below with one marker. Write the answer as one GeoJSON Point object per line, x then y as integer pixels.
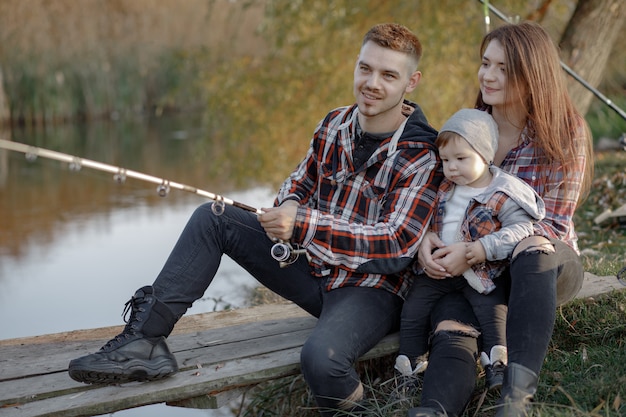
{"type": "Point", "coordinates": [351, 320]}
{"type": "Point", "coordinates": [490, 310]}
{"type": "Point", "coordinates": [538, 282]}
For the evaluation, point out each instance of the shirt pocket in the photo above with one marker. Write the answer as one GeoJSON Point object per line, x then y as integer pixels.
{"type": "Point", "coordinates": [368, 201]}
{"type": "Point", "coordinates": [482, 221]}
{"type": "Point", "coordinates": [331, 183]}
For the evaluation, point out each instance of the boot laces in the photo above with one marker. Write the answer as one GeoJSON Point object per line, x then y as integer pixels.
{"type": "Point", "coordinates": [131, 318]}
{"type": "Point", "coordinates": [498, 365]}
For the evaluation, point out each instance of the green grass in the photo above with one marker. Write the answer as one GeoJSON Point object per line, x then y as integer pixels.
{"type": "Point", "coordinates": [584, 374]}
{"type": "Point", "coordinates": [604, 121]}
{"type": "Point", "coordinates": [585, 368]}
{"type": "Point", "coordinates": [603, 245]}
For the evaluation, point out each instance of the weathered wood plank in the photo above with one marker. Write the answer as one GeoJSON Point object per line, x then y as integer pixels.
{"type": "Point", "coordinates": [187, 324]}
{"type": "Point", "coordinates": [220, 355]}
{"type": "Point", "coordinates": [23, 359]}
{"type": "Point", "coordinates": [212, 401]}
{"type": "Point", "coordinates": [594, 285]}
{"type": "Point", "coordinates": [618, 214]}
{"type": "Point", "coordinates": [180, 386]}
{"type": "Point", "coordinates": [47, 374]}
{"type": "Point", "coordinates": [189, 383]}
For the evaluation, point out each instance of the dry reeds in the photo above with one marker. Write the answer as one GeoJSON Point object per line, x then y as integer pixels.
{"type": "Point", "coordinates": [63, 58]}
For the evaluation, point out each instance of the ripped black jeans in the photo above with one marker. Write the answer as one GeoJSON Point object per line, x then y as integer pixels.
{"type": "Point", "coordinates": [538, 281]}
{"type": "Point", "coordinates": [352, 320]}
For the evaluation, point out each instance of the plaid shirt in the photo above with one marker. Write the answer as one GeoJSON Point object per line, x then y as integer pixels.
{"type": "Point", "coordinates": [362, 226]}
{"type": "Point", "coordinates": [524, 161]}
{"type": "Point", "coordinates": [479, 220]}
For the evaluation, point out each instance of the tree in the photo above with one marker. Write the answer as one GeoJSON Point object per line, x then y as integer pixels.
{"type": "Point", "coordinates": [588, 41]}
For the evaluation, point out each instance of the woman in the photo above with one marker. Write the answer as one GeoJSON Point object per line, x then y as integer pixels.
{"type": "Point", "coordinates": [545, 141]}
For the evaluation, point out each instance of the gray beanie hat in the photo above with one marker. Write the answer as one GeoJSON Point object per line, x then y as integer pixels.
{"type": "Point", "coordinates": [478, 128]}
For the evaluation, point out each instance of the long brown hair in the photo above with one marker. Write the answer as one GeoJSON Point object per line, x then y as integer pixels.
{"type": "Point", "coordinates": [533, 67]}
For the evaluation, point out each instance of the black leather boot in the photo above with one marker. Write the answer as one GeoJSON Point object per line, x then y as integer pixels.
{"type": "Point", "coordinates": [518, 390]}
{"type": "Point", "coordinates": [139, 353]}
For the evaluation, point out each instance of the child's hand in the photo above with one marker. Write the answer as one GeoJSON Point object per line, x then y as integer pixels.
{"type": "Point", "coordinates": [475, 253]}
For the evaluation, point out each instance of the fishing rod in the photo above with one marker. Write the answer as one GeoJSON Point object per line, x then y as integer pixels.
{"type": "Point", "coordinates": [487, 17]}
{"type": "Point", "coordinates": [571, 72]}
{"type": "Point", "coordinates": [283, 252]}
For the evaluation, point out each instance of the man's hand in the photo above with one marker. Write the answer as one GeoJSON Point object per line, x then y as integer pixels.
{"type": "Point", "coordinates": [278, 222]}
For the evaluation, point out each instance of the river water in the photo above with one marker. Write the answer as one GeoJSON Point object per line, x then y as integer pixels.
{"type": "Point", "coordinates": [74, 246]}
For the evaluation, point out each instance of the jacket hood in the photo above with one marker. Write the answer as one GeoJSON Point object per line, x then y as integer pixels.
{"type": "Point", "coordinates": [417, 133]}
{"type": "Point", "coordinates": [517, 190]}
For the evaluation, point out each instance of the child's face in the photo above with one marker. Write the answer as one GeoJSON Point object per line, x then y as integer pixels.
{"type": "Point", "coordinates": [463, 165]}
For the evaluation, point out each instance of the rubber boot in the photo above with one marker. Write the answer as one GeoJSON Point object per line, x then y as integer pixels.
{"type": "Point", "coordinates": [518, 389]}
{"type": "Point", "coordinates": [139, 353]}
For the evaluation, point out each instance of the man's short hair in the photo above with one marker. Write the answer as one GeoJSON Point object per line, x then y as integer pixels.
{"type": "Point", "coordinates": [395, 37]}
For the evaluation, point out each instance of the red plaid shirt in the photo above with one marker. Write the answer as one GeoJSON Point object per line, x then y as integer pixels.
{"type": "Point", "coordinates": [360, 227]}
{"type": "Point", "coordinates": [524, 162]}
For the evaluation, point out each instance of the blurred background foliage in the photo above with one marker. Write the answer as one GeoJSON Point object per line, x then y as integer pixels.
{"type": "Point", "coordinates": [267, 68]}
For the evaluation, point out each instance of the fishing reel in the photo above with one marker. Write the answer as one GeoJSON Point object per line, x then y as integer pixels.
{"type": "Point", "coordinates": [163, 189]}
{"type": "Point", "coordinates": [218, 207]}
{"type": "Point", "coordinates": [285, 254]}
{"type": "Point", "coordinates": [120, 176]}
{"type": "Point", "coordinates": [75, 165]}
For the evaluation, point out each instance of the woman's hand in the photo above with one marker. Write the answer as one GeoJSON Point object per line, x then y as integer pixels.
{"type": "Point", "coordinates": [425, 256]}
{"type": "Point", "coordinates": [452, 258]}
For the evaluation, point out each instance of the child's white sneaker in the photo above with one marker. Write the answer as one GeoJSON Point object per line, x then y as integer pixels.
{"type": "Point", "coordinates": [494, 366]}
{"type": "Point", "coordinates": [403, 365]}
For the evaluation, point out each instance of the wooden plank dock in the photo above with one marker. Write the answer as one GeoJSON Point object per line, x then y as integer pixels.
{"type": "Point", "coordinates": [220, 355]}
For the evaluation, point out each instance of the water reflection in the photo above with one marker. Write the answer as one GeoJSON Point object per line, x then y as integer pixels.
{"type": "Point", "coordinates": [79, 274]}
{"type": "Point", "coordinates": [74, 246]}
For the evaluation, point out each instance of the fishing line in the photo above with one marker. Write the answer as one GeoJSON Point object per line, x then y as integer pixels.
{"type": "Point", "coordinates": [281, 251]}
{"type": "Point", "coordinates": [487, 6]}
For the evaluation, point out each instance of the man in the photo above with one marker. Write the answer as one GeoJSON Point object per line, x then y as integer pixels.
{"type": "Point", "coordinates": [358, 204]}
